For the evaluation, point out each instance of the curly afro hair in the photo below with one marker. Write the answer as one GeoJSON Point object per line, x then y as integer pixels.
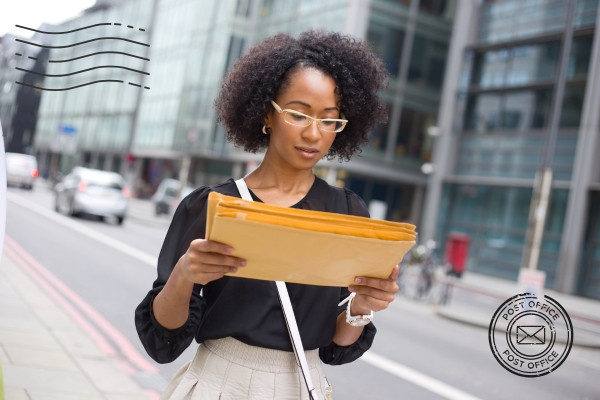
{"type": "Point", "coordinates": [259, 76]}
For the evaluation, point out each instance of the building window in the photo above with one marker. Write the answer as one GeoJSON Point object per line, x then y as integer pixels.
{"type": "Point", "coordinates": [516, 66]}
{"type": "Point", "coordinates": [514, 19]}
{"type": "Point", "coordinates": [410, 141]}
{"type": "Point", "coordinates": [438, 8]}
{"type": "Point", "coordinates": [572, 105]}
{"type": "Point", "coordinates": [379, 135]}
{"type": "Point", "coordinates": [513, 111]}
{"type": "Point", "coordinates": [483, 112]}
{"type": "Point", "coordinates": [590, 278]}
{"type": "Point", "coordinates": [387, 42]}
{"type": "Point", "coordinates": [427, 62]}
{"type": "Point", "coordinates": [581, 52]}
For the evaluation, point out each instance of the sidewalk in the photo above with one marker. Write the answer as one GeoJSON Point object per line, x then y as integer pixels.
{"type": "Point", "coordinates": [476, 297]}
{"type": "Point", "coordinates": [45, 354]}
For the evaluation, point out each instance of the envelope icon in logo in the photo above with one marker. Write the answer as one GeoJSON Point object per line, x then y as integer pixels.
{"type": "Point", "coordinates": [535, 334]}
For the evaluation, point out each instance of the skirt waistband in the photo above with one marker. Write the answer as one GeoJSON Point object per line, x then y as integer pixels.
{"type": "Point", "coordinates": [259, 358]}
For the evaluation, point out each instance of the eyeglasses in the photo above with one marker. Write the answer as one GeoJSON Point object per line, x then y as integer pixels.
{"type": "Point", "coordinates": [298, 119]}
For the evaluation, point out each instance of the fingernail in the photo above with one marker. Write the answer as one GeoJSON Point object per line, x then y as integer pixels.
{"type": "Point", "coordinates": [352, 288]}
{"type": "Point", "coordinates": [358, 281]}
{"type": "Point", "coordinates": [228, 250]}
{"type": "Point", "coordinates": [242, 263]}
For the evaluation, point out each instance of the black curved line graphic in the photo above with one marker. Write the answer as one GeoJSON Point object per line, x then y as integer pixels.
{"type": "Point", "coordinates": [99, 52]}
{"type": "Point", "coordinates": [62, 33]}
{"type": "Point", "coordinates": [84, 42]}
{"type": "Point", "coordinates": [69, 88]}
{"type": "Point", "coordinates": [83, 70]}
{"type": "Point", "coordinates": [140, 86]}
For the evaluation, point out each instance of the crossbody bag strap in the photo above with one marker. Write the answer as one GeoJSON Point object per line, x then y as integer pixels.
{"type": "Point", "coordinates": [288, 312]}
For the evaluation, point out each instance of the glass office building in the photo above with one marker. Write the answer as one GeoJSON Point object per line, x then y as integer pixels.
{"type": "Point", "coordinates": [96, 74]}
{"type": "Point", "coordinates": [500, 133]}
{"type": "Point", "coordinates": [165, 126]}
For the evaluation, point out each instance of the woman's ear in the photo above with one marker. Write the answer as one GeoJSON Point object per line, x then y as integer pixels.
{"type": "Point", "coordinates": [267, 119]}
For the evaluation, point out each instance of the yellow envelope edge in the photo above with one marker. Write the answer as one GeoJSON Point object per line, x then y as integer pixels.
{"type": "Point", "coordinates": [218, 201]}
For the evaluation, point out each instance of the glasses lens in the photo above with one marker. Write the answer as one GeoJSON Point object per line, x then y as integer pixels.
{"type": "Point", "coordinates": [331, 125]}
{"type": "Point", "coordinates": [297, 119]}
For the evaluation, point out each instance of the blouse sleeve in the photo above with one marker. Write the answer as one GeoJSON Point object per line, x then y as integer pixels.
{"type": "Point", "coordinates": [333, 354]}
{"type": "Point", "coordinates": [162, 344]}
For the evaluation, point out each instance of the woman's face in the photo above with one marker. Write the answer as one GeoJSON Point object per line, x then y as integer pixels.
{"type": "Point", "coordinates": [310, 92]}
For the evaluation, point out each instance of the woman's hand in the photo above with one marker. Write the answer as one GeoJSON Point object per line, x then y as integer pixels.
{"type": "Point", "coordinates": [373, 293]}
{"type": "Point", "coordinates": [206, 261]}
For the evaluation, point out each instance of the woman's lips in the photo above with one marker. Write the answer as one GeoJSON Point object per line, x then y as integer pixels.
{"type": "Point", "coordinates": [308, 152]}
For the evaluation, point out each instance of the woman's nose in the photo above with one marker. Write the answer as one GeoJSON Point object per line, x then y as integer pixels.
{"type": "Point", "coordinates": [312, 132]}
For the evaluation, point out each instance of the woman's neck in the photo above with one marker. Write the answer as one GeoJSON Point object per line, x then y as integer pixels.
{"type": "Point", "coordinates": [278, 187]}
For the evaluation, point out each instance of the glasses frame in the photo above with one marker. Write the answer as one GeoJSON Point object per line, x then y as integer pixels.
{"type": "Point", "coordinates": [311, 119]}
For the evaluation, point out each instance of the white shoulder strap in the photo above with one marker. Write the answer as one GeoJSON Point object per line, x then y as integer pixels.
{"type": "Point", "coordinates": [288, 312]}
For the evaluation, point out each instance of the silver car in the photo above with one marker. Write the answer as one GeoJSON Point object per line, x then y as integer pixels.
{"type": "Point", "coordinates": [21, 170]}
{"type": "Point", "coordinates": [167, 196]}
{"type": "Point", "coordinates": [93, 192]}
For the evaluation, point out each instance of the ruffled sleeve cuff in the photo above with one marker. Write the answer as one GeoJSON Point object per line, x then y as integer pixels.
{"type": "Point", "coordinates": [333, 354]}
{"type": "Point", "coordinates": [162, 344]}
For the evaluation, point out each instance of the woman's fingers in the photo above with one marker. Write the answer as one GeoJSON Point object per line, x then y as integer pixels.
{"type": "Point", "coordinates": [206, 261]}
{"type": "Point", "coordinates": [375, 293]}
{"type": "Point", "coordinates": [213, 253]}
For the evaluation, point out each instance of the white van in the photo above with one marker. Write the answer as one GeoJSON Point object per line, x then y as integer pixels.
{"type": "Point", "coordinates": [21, 170]}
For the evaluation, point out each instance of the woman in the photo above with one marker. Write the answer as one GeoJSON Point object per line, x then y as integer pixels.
{"type": "Point", "coordinates": [302, 99]}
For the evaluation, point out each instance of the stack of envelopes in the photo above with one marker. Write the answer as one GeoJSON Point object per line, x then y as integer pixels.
{"type": "Point", "coordinates": [304, 246]}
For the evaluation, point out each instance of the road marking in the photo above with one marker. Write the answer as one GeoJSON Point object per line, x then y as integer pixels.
{"type": "Point", "coordinates": [55, 287]}
{"type": "Point", "coordinates": [84, 230]}
{"type": "Point", "coordinates": [416, 377]}
{"type": "Point", "coordinates": [100, 341]}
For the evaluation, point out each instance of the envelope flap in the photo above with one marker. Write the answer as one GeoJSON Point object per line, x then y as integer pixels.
{"type": "Point", "coordinates": [317, 226]}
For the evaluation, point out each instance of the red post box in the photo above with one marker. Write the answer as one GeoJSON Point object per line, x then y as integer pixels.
{"type": "Point", "coordinates": [457, 249]}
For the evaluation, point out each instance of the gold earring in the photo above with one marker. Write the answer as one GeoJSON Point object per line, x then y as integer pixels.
{"type": "Point", "coordinates": [264, 130]}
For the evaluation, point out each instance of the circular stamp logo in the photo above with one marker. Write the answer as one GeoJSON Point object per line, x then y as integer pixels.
{"type": "Point", "coordinates": [530, 336]}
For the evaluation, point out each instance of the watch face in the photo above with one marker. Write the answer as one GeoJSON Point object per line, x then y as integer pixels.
{"type": "Point", "coordinates": [360, 321]}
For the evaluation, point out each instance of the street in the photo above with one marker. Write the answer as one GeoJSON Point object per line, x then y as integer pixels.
{"type": "Point", "coordinates": [416, 354]}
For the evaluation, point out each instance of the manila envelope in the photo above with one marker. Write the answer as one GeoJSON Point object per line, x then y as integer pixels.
{"type": "Point", "coordinates": [305, 246]}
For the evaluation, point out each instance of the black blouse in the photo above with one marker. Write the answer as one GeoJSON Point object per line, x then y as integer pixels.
{"type": "Point", "coordinates": [248, 309]}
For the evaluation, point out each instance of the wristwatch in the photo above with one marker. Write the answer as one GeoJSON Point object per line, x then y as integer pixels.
{"type": "Point", "coordinates": [356, 320]}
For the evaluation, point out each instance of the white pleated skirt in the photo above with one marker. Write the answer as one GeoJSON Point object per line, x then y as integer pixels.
{"type": "Point", "coordinates": [227, 369]}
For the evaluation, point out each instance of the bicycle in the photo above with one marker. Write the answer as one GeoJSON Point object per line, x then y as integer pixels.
{"type": "Point", "coordinates": [423, 278]}
{"type": "Point", "coordinates": [417, 272]}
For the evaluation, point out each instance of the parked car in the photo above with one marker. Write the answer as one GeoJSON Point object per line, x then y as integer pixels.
{"type": "Point", "coordinates": [21, 170]}
{"type": "Point", "coordinates": [165, 198]}
{"type": "Point", "coordinates": [93, 192]}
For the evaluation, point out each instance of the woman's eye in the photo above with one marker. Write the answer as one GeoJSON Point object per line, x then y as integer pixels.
{"type": "Point", "coordinates": [328, 123]}
{"type": "Point", "coordinates": [298, 117]}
